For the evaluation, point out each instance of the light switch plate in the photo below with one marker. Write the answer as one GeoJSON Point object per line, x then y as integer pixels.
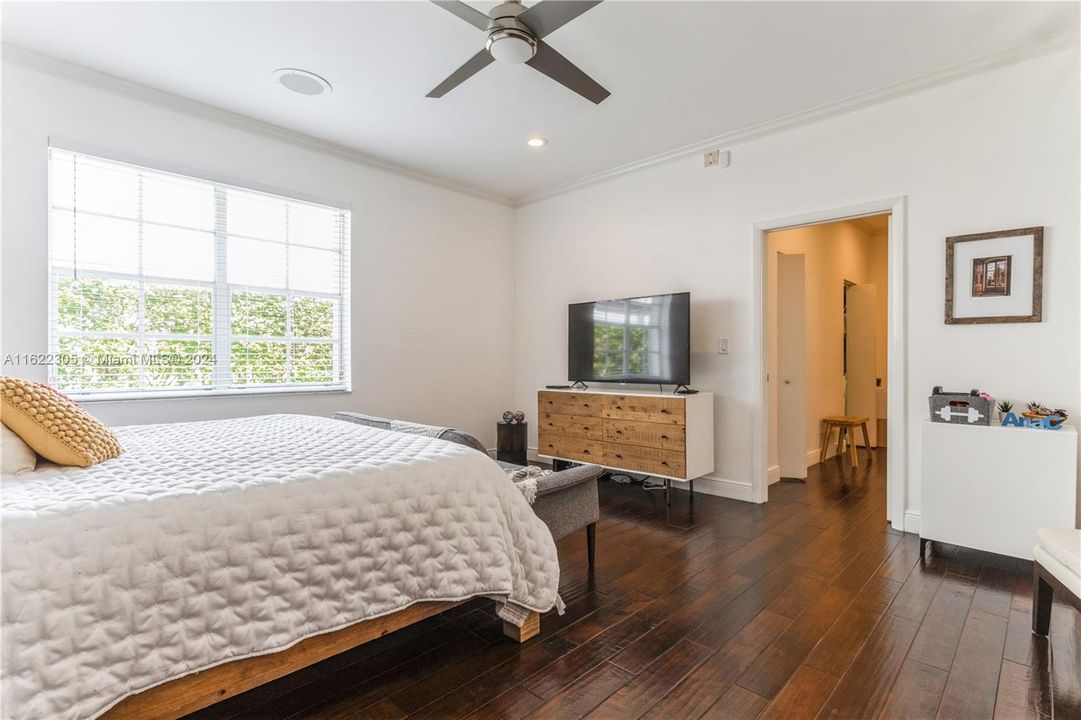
{"type": "Point", "coordinates": [722, 346]}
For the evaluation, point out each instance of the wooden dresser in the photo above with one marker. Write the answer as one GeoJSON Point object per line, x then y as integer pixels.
{"type": "Point", "coordinates": [664, 435]}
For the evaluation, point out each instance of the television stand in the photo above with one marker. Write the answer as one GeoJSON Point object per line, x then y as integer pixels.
{"type": "Point", "coordinates": [579, 384]}
{"type": "Point", "coordinates": [665, 436]}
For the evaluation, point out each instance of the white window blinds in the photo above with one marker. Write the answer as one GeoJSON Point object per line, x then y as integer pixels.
{"type": "Point", "coordinates": [162, 284]}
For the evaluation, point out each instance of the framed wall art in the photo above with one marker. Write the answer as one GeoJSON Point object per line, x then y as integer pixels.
{"type": "Point", "coordinates": [995, 277]}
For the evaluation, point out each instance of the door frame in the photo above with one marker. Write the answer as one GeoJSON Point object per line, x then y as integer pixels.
{"type": "Point", "coordinates": [897, 377]}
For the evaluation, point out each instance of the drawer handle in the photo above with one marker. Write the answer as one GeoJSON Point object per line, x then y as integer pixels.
{"type": "Point", "coordinates": [619, 407]}
{"type": "Point", "coordinates": [619, 456]}
{"type": "Point", "coordinates": [664, 437]}
{"type": "Point", "coordinates": [619, 432]}
{"type": "Point", "coordinates": [664, 462]}
{"type": "Point", "coordinates": [585, 452]}
{"type": "Point", "coordinates": [666, 411]}
{"type": "Point", "coordinates": [586, 428]}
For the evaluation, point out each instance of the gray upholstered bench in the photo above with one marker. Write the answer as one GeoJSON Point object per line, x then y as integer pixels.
{"type": "Point", "coordinates": [566, 500]}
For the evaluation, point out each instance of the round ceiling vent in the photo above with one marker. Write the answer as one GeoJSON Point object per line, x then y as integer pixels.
{"type": "Point", "coordinates": [302, 81]}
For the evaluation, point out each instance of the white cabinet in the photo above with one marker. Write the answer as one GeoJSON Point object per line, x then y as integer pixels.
{"type": "Point", "coordinates": [989, 488]}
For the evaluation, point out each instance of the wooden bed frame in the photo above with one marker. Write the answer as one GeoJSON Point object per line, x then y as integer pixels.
{"type": "Point", "coordinates": [176, 698]}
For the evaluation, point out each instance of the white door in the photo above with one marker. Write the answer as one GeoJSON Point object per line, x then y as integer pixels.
{"type": "Point", "coordinates": [791, 367]}
{"type": "Point", "coordinates": [861, 393]}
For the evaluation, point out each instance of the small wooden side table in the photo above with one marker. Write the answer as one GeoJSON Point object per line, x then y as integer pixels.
{"type": "Point", "coordinates": [510, 443]}
{"type": "Point", "coordinates": [846, 436]}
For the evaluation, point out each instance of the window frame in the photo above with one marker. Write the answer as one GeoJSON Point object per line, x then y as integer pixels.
{"type": "Point", "coordinates": [221, 290]}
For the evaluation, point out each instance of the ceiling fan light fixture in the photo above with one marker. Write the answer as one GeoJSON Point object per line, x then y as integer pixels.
{"type": "Point", "coordinates": [537, 141]}
{"type": "Point", "coordinates": [513, 35]}
{"type": "Point", "coordinates": [511, 45]}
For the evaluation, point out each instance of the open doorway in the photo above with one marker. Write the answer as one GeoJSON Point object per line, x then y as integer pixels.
{"type": "Point", "coordinates": [826, 332]}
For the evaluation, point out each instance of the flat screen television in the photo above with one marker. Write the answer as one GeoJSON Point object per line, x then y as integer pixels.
{"type": "Point", "coordinates": [633, 340]}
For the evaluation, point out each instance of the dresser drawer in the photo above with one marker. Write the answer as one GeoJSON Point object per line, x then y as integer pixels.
{"type": "Point", "coordinates": [644, 459]}
{"type": "Point", "coordinates": [669, 411]}
{"type": "Point", "coordinates": [579, 426]}
{"type": "Point", "coordinates": [647, 434]}
{"type": "Point", "coordinates": [571, 448]}
{"type": "Point", "coordinates": [562, 403]}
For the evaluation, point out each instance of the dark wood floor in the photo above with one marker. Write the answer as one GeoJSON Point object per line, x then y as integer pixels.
{"type": "Point", "coordinates": [808, 606]}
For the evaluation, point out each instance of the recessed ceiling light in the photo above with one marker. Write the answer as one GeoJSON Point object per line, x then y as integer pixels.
{"type": "Point", "coordinates": [302, 81]}
{"type": "Point", "coordinates": [537, 141]}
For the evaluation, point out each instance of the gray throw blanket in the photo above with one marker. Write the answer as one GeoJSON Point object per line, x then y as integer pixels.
{"type": "Point", "coordinates": [417, 428]}
{"type": "Point", "coordinates": [525, 479]}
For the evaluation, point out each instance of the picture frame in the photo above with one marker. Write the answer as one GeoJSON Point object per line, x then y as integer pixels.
{"type": "Point", "coordinates": [995, 277]}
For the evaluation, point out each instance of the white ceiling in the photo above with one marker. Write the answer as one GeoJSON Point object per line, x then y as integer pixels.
{"type": "Point", "coordinates": [679, 72]}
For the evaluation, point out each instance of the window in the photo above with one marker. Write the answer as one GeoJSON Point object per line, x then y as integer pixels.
{"type": "Point", "coordinates": [162, 284]}
{"type": "Point", "coordinates": [628, 337]}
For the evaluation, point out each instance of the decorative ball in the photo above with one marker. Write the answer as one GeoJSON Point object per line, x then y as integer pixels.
{"type": "Point", "coordinates": [519, 416]}
{"type": "Point", "coordinates": [508, 416]}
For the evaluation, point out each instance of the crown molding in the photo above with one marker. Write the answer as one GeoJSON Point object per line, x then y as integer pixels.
{"type": "Point", "coordinates": [160, 98]}
{"type": "Point", "coordinates": [1044, 45]}
{"type": "Point", "coordinates": [1060, 40]}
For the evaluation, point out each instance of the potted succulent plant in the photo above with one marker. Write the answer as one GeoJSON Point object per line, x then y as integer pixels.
{"type": "Point", "coordinates": [1036, 411]}
{"type": "Point", "coordinates": [1004, 407]}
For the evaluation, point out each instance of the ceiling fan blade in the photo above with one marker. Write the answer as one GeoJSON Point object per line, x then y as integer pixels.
{"type": "Point", "coordinates": [549, 15]}
{"type": "Point", "coordinates": [474, 17]}
{"type": "Point", "coordinates": [471, 67]}
{"type": "Point", "coordinates": [566, 73]}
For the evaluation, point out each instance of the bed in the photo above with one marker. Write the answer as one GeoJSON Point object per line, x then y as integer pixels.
{"type": "Point", "coordinates": [210, 542]}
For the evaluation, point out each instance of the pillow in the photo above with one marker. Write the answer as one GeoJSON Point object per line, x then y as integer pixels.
{"type": "Point", "coordinates": [15, 455]}
{"type": "Point", "coordinates": [54, 425]}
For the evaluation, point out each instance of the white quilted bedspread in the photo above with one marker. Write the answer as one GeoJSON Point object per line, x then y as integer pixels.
{"type": "Point", "coordinates": [211, 541]}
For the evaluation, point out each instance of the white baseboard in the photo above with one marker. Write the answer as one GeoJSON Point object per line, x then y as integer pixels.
{"type": "Point", "coordinates": [773, 474]}
{"type": "Point", "coordinates": [813, 455]}
{"type": "Point", "coordinates": [912, 521]}
{"type": "Point", "coordinates": [721, 487]}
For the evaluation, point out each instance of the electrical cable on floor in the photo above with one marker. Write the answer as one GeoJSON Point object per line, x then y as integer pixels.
{"type": "Point", "coordinates": [626, 479]}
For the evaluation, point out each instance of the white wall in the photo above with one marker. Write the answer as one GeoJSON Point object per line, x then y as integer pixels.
{"type": "Point", "coordinates": [443, 332]}
{"type": "Point", "coordinates": [993, 151]}
{"type": "Point", "coordinates": [834, 253]}
{"type": "Point", "coordinates": [432, 297]}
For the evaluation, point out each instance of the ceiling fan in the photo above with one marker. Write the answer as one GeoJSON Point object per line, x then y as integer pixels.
{"type": "Point", "coordinates": [514, 35]}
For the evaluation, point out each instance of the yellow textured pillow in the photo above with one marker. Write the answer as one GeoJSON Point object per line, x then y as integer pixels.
{"type": "Point", "coordinates": [54, 425]}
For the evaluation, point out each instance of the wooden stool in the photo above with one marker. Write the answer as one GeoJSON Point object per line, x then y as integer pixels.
{"type": "Point", "coordinates": [846, 431]}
